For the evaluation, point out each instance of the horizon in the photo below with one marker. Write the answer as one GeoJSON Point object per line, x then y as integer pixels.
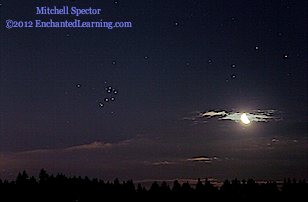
{"type": "Point", "coordinates": [146, 183]}
{"type": "Point", "coordinates": [85, 189]}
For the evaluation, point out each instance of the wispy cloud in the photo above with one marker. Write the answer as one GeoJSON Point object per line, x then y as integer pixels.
{"type": "Point", "coordinates": [202, 159]}
{"type": "Point", "coordinates": [89, 146]}
{"type": "Point", "coordinates": [159, 163]}
{"type": "Point", "coordinates": [93, 145]}
{"type": "Point", "coordinates": [102, 154]}
{"type": "Point", "coordinates": [213, 113]}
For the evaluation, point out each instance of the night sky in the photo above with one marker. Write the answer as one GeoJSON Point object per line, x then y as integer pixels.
{"type": "Point", "coordinates": [161, 99]}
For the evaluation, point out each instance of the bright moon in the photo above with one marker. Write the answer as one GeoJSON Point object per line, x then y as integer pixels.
{"type": "Point", "coordinates": [244, 119]}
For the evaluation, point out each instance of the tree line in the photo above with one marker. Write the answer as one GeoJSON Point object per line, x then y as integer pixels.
{"type": "Point", "coordinates": [61, 188]}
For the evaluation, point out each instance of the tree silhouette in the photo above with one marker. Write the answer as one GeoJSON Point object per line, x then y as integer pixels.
{"type": "Point", "coordinates": [164, 188]}
{"type": "Point", "coordinates": [176, 187]}
{"type": "Point", "coordinates": [63, 188]}
{"type": "Point", "coordinates": [186, 188]}
{"type": "Point", "coordinates": [141, 190]}
{"type": "Point", "coordinates": [129, 188]}
{"type": "Point", "coordinates": [154, 189]}
{"type": "Point", "coordinates": [43, 176]}
{"type": "Point", "coordinates": [22, 178]}
{"type": "Point", "coordinates": [199, 186]}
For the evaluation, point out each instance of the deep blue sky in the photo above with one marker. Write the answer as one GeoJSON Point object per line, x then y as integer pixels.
{"type": "Point", "coordinates": [174, 63]}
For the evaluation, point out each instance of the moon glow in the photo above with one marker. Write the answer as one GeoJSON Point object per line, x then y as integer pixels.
{"type": "Point", "coordinates": [244, 119]}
